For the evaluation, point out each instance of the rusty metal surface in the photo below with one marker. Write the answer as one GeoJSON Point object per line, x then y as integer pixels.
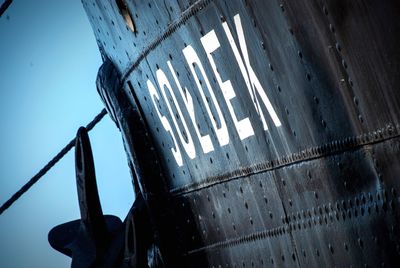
{"type": "Point", "coordinates": [319, 188]}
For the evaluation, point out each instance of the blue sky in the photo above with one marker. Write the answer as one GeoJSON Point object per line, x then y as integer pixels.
{"type": "Point", "coordinates": [48, 66]}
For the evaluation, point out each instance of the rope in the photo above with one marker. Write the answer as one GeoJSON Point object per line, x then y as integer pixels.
{"type": "Point", "coordinates": [4, 6]}
{"type": "Point", "coordinates": [49, 165]}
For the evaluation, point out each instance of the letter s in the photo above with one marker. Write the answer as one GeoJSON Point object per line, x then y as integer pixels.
{"type": "Point", "coordinates": [164, 121]}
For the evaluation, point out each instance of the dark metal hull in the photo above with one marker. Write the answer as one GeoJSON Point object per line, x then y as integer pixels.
{"type": "Point", "coordinates": [309, 175]}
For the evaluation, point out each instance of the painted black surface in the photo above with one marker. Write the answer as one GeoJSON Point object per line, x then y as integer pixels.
{"type": "Point", "coordinates": [319, 190]}
{"type": "Point", "coordinates": [88, 239]}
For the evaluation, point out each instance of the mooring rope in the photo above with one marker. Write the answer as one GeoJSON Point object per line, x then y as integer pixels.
{"type": "Point", "coordinates": [49, 165]}
{"type": "Point", "coordinates": [4, 6]}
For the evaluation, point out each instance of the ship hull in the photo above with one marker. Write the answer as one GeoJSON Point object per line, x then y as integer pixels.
{"type": "Point", "coordinates": [260, 133]}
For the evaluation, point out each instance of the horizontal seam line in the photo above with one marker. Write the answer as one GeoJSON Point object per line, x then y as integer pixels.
{"type": "Point", "coordinates": [279, 230]}
{"type": "Point", "coordinates": [334, 147]}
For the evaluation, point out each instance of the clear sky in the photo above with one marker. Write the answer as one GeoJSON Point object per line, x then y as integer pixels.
{"type": "Point", "coordinates": [48, 66]}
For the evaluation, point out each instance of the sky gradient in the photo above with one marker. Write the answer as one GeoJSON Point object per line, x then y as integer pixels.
{"type": "Point", "coordinates": [48, 66]}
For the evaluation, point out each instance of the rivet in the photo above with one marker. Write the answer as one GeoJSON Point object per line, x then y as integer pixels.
{"type": "Point", "coordinates": [344, 64]}
{"type": "Point", "coordinates": [394, 192]}
{"type": "Point", "coordinates": [363, 199]}
{"type": "Point", "coordinates": [355, 100]}
{"type": "Point", "coordinates": [370, 197]}
{"type": "Point", "coordinates": [344, 204]}
{"type": "Point", "coordinates": [330, 248]}
{"type": "Point", "coordinates": [320, 210]}
{"type": "Point", "coordinates": [325, 10]}
{"type": "Point", "coordinates": [300, 54]}
{"type": "Point", "coordinates": [384, 194]}
{"type": "Point", "coordinates": [360, 242]}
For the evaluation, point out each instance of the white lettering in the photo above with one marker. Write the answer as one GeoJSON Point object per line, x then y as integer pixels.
{"type": "Point", "coordinates": [164, 84]}
{"type": "Point", "coordinates": [192, 58]}
{"type": "Point", "coordinates": [252, 82]}
{"type": "Point", "coordinates": [210, 43]}
{"type": "Point", "coordinates": [180, 127]}
{"type": "Point", "coordinates": [205, 140]}
{"type": "Point", "coordinates": [164, 121]}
